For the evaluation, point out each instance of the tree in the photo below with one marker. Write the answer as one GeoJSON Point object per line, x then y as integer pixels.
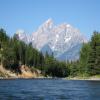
{"type": "Point", "coordinates": [4, 40]}
{"type": "Point", "coordinates": [94, 55]}
{"type": "Point", "coordinates": [74, 69]}
{"type": "Point", "coordinates": [84, 56]}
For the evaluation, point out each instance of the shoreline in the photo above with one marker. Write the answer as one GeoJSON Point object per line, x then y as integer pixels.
{"type": "Point", "coordinates": [68, 78]}
{"type": "Point", "coordinates": [93, 78]}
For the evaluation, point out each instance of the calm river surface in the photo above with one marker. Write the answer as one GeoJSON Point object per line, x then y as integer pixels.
{"type": "Point", "coordinates": [49, 89]}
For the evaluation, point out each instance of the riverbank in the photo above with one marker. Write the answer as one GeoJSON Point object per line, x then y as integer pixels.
{"type": "Point", "coordinates": [93, 78]}
{"type": "Point", "coordinates": [96, 77]}
{"type": "Point", "coordinates": [26, 72]}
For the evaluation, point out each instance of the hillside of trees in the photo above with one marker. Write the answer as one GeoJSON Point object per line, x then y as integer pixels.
{"type": "Point", "coordinates": [15, 53]}
{"type": "Point", "coordinates": [89, 61]}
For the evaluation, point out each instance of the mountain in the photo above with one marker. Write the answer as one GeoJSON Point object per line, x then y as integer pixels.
{"type": "Point", "coordinates": [71, 54]}
{"type": "Point", "coordinates": [63, 40]}
{"type": "Point", "coordinates": [45, 49]}
{"type": "Point", "coordinates": [21, 35]}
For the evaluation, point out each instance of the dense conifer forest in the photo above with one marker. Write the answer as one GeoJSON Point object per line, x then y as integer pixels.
{"type": "Point", "coordinates": [14, 53]}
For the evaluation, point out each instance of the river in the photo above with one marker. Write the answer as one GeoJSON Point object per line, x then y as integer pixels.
{"type": "Point", "coordinates": [49, 89]}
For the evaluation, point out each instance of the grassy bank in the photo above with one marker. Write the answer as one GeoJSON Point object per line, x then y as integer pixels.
{"type": "Point", "coordinates": [95, 77]}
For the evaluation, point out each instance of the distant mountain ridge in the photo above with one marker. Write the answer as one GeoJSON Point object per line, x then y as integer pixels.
{"type": "Point", "coordinates": [63, 40]}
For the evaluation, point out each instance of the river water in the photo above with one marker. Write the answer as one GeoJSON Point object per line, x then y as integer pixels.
{"type": "Point", "coordinates": [49, 89]}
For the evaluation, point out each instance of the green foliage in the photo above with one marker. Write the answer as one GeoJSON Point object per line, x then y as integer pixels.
{"type": "Point", "coordinates": [14, 53]}
{"type": "Point", "coordinates": [55, 68]}
{"type": "Point", "coordinates": [90, 56]}
{"type": "Point", "coordinates": [89, 62]}
{"type": "Point", "coordinates": [84, 56]}
{"type": "Point", "coordinates": [74, 68]}
{"type": "Point", "coordinates": [4, 46]}
{"type": "Point", "coordinates": [94, 55]}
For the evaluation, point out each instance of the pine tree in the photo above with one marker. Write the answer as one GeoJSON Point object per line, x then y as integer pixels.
{"type": "Point", "coordinates": [94, 55]}
{"type": "Point", "coordinates": [84, 55]}
{"type": "Point", "coordinates": [4, 40]}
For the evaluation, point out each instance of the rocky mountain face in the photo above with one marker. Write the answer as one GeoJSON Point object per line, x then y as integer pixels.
{"type": "Point", "coordinates": [63, 40]}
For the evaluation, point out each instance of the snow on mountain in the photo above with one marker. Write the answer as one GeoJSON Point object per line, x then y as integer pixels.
{"type": "Point", "coordinates": [59, 39]}
{"type": "Point", "coordinates": [23, 36]}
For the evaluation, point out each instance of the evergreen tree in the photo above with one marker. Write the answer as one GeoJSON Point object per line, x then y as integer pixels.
{"type": "Point", "coordinates": [4, 40]}
{"type": "Point", "coordinates": [83, 61]}
{"type": "Point", "coordinates": [94, 55]}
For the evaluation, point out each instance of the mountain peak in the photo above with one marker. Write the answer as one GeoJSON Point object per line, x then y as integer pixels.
{"type": "Point", "coordinates": [49, 21]}
{"type": "Point", "coordinates": [47, 25]}
{"type": "Point", "coordinates": [59, 38]}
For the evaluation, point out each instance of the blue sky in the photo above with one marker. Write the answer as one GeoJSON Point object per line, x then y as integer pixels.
{"type": "Point", "coordinates": [30, 14]}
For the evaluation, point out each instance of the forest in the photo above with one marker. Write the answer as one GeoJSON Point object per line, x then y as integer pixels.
{"type": "Point", "coordinates": [15, 53]}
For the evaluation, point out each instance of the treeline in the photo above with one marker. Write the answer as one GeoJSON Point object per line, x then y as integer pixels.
{"type": "Point", "coordinates": [14, 53]}
{"type": "Point", "coordinates": [89, 62]}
